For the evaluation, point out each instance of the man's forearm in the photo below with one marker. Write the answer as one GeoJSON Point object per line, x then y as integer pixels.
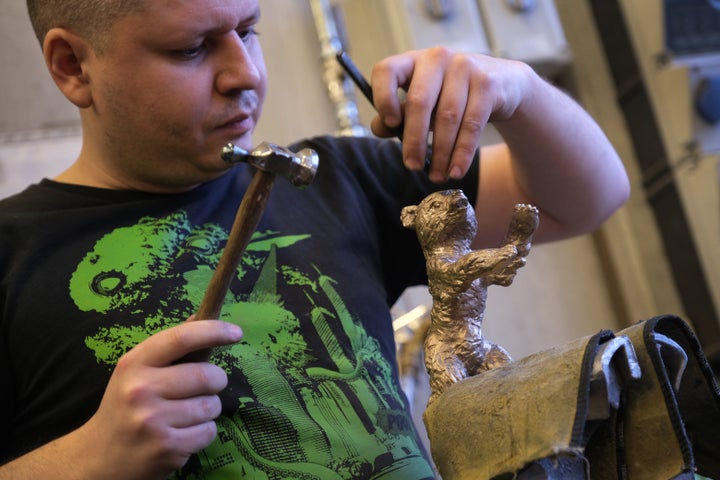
{"type": "Point", "coordinates": [563, 160]}
{"type": "Point", "coordinates": [61, 459]}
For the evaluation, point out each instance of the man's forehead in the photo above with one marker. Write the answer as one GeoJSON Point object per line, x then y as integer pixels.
{"type": "Point", "coordinates": [199, 15]}
{"type": "Point", "coordinates": [241, 7]}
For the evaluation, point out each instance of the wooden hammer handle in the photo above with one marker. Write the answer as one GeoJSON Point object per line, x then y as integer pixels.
{"type": "Point", "coordinates": [246, 221]}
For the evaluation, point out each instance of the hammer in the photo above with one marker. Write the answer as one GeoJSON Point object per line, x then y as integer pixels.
{"type": "Point", "coordinates": [269, 160]}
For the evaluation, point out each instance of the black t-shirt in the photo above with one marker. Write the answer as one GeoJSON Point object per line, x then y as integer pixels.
{"type": "Point", "coordinates": [87, 273]}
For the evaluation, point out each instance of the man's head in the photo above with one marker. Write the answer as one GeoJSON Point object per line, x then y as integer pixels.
{"type": "Point", "coordinates": [162, 85]}
{"type": "Point", "coordinates": [91, 19]}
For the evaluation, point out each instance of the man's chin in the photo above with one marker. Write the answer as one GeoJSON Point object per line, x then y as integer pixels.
{"type": "Point", "coordinates": [245, 142]}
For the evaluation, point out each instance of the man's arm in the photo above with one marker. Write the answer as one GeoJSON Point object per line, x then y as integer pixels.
{"type": "Point", "coordinates": [153, 416]}
{"type": "Point", "coordinates": [554, 156]}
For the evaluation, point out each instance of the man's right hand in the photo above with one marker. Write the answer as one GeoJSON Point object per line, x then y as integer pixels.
{"type": "Point", "coordinates": [154, 415]}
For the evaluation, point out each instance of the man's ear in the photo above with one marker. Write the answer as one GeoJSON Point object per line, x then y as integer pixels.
{"type": "Point", "coordinates": [66, 56]}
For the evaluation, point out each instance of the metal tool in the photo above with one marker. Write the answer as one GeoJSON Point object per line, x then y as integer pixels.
{"type": "Point", "coordinates": [298, 167]}
{"type": "Point", "coordinates": [270, 160]}
{"type": "Point", "coordinates": [364, 86]}
{"type": "Point", "coordinates": [331, 34]}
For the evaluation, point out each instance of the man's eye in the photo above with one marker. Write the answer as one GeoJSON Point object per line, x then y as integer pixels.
{"type": "Point", "coordinates": [247, 33]}
{"type": "Point", "coordinates": [191, 52]}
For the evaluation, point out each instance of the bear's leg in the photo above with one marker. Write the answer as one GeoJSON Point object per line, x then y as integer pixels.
{"type": "Point", "coordinates": [443, 366]}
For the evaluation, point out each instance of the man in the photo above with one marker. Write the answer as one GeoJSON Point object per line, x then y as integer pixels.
{"type": "Point", "coordinates": [93, 308]}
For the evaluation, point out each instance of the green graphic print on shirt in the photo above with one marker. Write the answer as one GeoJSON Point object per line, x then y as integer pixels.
{"type": "Point", "coordinates": [306, 405]}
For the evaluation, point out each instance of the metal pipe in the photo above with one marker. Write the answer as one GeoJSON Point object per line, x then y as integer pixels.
{"type": "Point", "coordinates": [339, 87]}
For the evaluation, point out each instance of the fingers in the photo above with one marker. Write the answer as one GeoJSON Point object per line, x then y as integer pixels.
{"type": "Point", "coordinates": [196, 437]}
{"type": "Point", "coordinates": [174, 396]}
{"type": "Point", "coordinates": [171, 448]}
{"type": "Point", "coordinates": [460, 117]}
{"type": "Point", "coordinates": [387, 77]}
{"type": "Point", "coordinates": [420, 102]}
{"type": "Point", "coordinates": [149, 370]}
{"type": "Point", "coordinates": [190, 379]}
{"type": "Point", "coordinates": [176, 447]}
{"type": "Point", "coordinates": [453, 95]}
{"type": "Point", "coordinates": [422, 82]}
{"type": "Point", "coordinates": [169, 345]}
{"type": "Point", "coordinates": [190, 412]}
{"type": "Point", "coordinates": [155, 413]}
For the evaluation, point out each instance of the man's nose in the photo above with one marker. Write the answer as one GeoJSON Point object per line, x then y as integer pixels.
{"type": "Point", "coordinates": [236, 68]}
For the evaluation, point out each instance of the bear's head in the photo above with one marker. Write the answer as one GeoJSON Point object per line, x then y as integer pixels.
{"type": "Point", "coordinates": [442, 218]}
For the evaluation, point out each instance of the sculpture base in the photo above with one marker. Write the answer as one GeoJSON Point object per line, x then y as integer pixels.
{"type": "Point", "coordinates": [533, 418]}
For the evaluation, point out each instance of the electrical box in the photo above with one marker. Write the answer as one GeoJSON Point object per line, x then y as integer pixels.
{"type": "Point", "coordinates": [526, 30]}
{"type": "Point", "coordinates": [426, 23]}
{"type": "Point", "coordinates": [375, 29]}
{"type": "Point", "coordinates": [692, 30]}
{"type": "Point", "coordinates": [415, 24]}
{"type": "Point", "coordinates": [691, 37]}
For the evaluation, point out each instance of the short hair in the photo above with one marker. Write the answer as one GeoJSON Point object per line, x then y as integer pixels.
{"type": "Point", "coordinates": [91, 19]}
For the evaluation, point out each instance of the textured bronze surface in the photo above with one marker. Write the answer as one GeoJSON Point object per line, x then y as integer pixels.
{"type": "Point", "coordinates": [458, 278]}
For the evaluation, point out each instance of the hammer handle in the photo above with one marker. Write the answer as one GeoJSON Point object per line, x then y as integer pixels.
{"type": "Point", "coordinates": [246, 221]}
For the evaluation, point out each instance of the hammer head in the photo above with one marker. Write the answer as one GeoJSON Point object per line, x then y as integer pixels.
{"type": "Point", "coordinates": [298, 167]}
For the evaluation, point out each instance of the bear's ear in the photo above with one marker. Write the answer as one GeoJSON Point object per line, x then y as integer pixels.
{"type": "Point", "coordinates": [408, 215]}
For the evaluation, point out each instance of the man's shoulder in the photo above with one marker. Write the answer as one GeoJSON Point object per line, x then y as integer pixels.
{"type": "Point", "coordinates": [349, 145]}
{"type": "Point", "coordinates": [364, 156]}
{"type": "Point", "coordinates": [22, 200]}
{"type": "Point", "coordinates": [52, 196]}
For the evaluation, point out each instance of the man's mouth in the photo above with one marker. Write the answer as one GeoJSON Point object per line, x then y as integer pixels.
{"type": "Point", "coordinates": [237, 126]}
